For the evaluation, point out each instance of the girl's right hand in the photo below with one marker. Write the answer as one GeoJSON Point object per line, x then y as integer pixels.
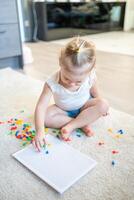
{"type": "Point", "coordinates": [39, 141]}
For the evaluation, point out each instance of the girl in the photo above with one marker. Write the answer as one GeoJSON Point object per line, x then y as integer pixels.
{"type": "Point", "coordinates": [74, 88]}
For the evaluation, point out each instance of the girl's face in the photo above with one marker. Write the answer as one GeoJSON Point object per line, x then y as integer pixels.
{"type": "Point", "coordinates": [70, 80]}
{"type": "Point", "coordinates": [74, 76]}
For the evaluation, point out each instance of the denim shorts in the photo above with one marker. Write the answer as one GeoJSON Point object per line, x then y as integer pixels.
{"type": "Point", "coordinates": [73, 113]}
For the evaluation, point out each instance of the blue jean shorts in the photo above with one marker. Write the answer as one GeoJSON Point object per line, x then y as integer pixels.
{"type": "Point", "coordinates": [73, 113]}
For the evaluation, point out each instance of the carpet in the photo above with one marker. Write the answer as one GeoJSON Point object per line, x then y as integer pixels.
{"type": "Point", "coordinates": [106, 182]}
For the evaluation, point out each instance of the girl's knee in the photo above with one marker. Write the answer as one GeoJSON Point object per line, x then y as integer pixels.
{"type": "Point", "coordinates": [102, 106]}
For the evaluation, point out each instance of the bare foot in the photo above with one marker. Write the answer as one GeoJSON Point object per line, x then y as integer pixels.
{"type": "Point", "coordinates": [88, 131]}
{"type": "Point", "coordinates": [65, 132]}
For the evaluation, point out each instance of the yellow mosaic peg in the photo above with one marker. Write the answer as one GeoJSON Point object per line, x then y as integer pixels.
{"type": "Point", "coordinates": [19, 122]}
{"type": "Point", "coordinates": [118, 136]}
{"type": "Point", "coordinates": [49, 145]}
{"type": "Point", "coordinates": [110, 130]}
{"type": "Point", "coordinates": [46, 130]}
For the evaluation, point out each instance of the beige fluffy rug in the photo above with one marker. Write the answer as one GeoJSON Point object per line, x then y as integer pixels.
{"type": "Point", "coordinates": [106, 182]}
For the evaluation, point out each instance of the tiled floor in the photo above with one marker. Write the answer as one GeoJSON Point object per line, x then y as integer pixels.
{"type": "Point", "coordinates": [115, 71]}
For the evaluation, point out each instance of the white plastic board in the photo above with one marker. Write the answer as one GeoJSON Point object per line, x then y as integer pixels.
{"type": "Point", "coordinates": [60, 168]}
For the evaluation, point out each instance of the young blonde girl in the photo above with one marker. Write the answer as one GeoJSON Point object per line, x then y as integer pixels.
{"type": "Point", "coordinates": [74, 88]}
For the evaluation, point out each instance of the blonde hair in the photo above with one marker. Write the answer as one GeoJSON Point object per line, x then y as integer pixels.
{"type": "Point", "coordinates": [79, 51]}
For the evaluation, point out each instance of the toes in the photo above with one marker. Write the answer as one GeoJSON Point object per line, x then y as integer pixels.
{"type": "Point", "coordinates": [88, 131]}
{"type": "Point", "coordinates": [64, 131]}
{"type": "Point", "coordinates": [65, 138]}
{"type": "Point", "coordinates": [64, 134]}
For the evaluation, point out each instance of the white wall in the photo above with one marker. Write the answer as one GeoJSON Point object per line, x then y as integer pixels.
{"type": "Point", "coordinates": [129, 16]}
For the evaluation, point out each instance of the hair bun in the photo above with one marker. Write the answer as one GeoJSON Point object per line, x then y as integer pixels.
{"type": "Point", "coordinates": [80, 51]}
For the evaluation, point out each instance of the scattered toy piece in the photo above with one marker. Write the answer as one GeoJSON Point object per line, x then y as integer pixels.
{"type": "Point", "coordinates": [24, 143]}
{"type": "Point", "coordinates": [110, 130]}
{"type": "Point", "coordinates": [10, 121]}
{"type": "Point", "coordinates": [47, 152]}
{"type": "Point", "coordinates": [113, 162]}
{"type": "Point", "coordinates": [118, 136]}
{"type": "Point", "coordinates": [44, 146]}
{"type": "Point", "coordinates": [100, 143]}
{"type": "Point", "coordinates": [58, 136]}
{"type": "Point", "coordinates": [13, 128]}
{"type": "Point", "coordinates": [78, 130]}
{"type": "Point", "coordinates": [120, 131]}
{"type": "Point", "coordinates": [46, 130]}
{"type": "Point", "coordinates": [78, 135]}
{"type": "Point", "coordinates": [19, 122]}
{"type": "Point", "coordinates": [115, 152]}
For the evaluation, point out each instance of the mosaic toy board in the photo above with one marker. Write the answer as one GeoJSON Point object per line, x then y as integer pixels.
{"type": "Point", "coordinates": [60, 168]}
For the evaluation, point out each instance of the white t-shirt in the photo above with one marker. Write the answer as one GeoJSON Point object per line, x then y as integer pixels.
{"type": "Point", "coordinates": [70, 100]}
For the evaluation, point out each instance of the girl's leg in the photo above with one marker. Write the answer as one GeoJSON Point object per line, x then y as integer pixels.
{"type": "Point", "coordinates": [94, 109]}
{"type": "Point", "coordinates": [56, 117]}
{"type": "Point", "coordinates": [87, 129]}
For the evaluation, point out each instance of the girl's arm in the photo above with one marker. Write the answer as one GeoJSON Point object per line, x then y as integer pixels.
{"type": "Point", "coordinates": [94, 91]}
{"type": "Point", "coordinates": [39, 117]}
